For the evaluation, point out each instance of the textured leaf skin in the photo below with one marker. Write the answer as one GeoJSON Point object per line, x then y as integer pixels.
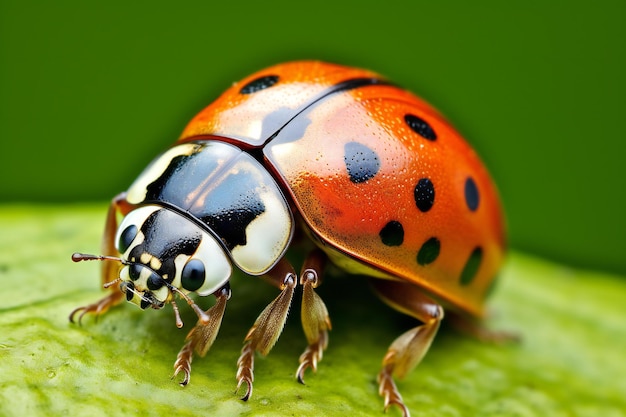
{"type": "Point", "coordinates": [570, 362]}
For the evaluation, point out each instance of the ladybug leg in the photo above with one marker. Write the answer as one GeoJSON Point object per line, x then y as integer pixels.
{"type": "Point", "coordinates": [109, 270]}
{"type": "Point", "coordinates": [268, 326]}
{"type": "Point", "coordinates": [407, 350]}
{"type": "Point", "coordinates": [315, 320]}
{"type": "Point", "coordinates": [202, 336]}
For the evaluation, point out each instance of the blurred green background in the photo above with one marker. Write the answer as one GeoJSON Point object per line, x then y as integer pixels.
{"type": "Point", "coordinates": [91, 91]}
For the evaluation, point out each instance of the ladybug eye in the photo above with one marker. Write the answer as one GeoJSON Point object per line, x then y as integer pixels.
{"type": "Point", "coordinates": [193, 275]}
{"type": "Point", "coordinates": [126, 238]}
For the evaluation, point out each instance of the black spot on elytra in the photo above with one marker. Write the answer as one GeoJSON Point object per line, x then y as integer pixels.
{"type": "Point", "coordinates": [259, 84]}
{"type": "Point", "coordinates": [424, 194]}
{"type": "Point", "coordinates": [392, 234]}
{"type": "Point", "coordinates": [429, 251]}
{"type": "Point", "coordinates": [362, 162]}
{"type": "Point", "coordinates": [472, 197]}
{"type": "Point", "coordinates": [420, 126]}
{"type": "Point", "coordinates": [471, 266]}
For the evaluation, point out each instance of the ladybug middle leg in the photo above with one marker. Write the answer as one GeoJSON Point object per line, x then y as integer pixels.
{"type": "Point", "coordinates": [269, 325]}
{"type": "Point", "coordinates": [315, 319]}
{"type": "Point", "coordinates": [409, 348]}
{"type": "Point", "coordinates": [109, 270]}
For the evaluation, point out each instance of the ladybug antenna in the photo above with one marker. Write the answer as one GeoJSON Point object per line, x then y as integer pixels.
{"type": "Point", "coordinates": [78, 257]}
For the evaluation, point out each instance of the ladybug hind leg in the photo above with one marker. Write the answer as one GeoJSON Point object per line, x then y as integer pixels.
{"type": "Point", "coordinates": [315, 319]}
{"type": "Point", "coordinates": [409, 348]}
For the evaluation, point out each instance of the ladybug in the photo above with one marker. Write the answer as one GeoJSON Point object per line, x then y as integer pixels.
{"type": "Point", "coordinates": [373, 177]}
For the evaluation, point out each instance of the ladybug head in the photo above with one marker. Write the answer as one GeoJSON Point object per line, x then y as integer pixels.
{"type": "Point", "coordinates": [164, 253]}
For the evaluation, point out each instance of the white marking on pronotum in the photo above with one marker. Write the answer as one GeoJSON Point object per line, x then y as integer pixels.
{"type": "Point", "coordinates": [138, 190]}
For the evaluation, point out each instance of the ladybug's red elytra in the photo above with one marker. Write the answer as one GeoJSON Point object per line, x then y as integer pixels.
{"type": "Point", "coordinates": [373, 177]}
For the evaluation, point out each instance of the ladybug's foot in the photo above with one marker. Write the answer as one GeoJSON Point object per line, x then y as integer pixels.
{"type": "Point", "coordinates": [268, 326]}
{"type": "Point", "coordinates": [315, 323]}
{"type": "Point", "coordinates": [245, 372]}
{"type": "Point", "coordinates": [410, 347]}
{"type": "Point", "coordinates": [183, 363]}
{"type": "Point", "coordinates": [98, 308]}
{"type": "Point", "coordinates": [202, 336]}
{"type": "Point", "coordinates": [388, 390]}
{"type": "Point", "coordinates": [311, 356]}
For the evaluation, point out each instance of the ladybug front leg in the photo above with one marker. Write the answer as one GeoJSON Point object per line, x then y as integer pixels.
{"type": "Point", "coordinates": [408, 349]}
{"type": "Point", "coordinates": [315, 320]}
{"type": "Point", "coordinates": [269, 325]}
{"type": "Point", "coordinates": [202, 336]}
{"type": "Point", "coordinates": [109, 270]}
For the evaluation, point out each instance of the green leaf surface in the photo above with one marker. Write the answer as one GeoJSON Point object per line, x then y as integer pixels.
{"type": "Point", "coordinates": [571, 361]}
